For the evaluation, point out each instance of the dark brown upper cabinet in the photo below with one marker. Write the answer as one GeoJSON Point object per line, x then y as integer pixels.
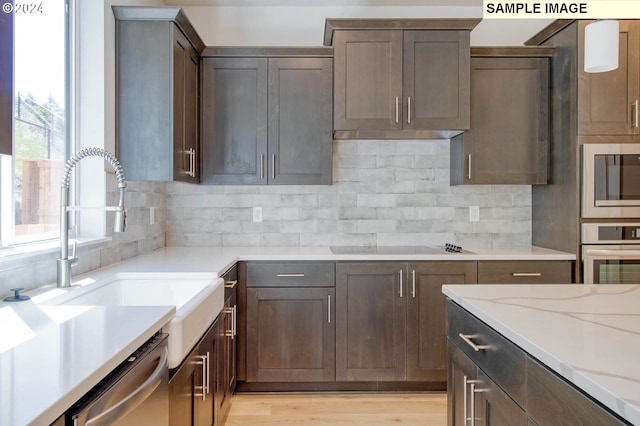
{"type": "Point", "coordinates": [508, 142]}
{"type": "Point", "coordinates": [400, 78]}
{"type": "Point", "coordinates": [608, 101]}
{"type": "Point", "coordinates": [157, 74]}
{"type": "Point", "coordinates": [267, 119]}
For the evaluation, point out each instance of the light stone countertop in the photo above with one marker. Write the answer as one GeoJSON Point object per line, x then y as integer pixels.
{"type": "Point", "coordinates": [66, 350]}
{"type": "Point", "coordinates": [219, 259]}
{"type": "Point", "coordinates": [588, 334]}
{"type": "Point", "coordinates": [62, 355]}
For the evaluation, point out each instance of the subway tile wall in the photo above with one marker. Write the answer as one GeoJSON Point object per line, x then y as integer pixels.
{"type": "Point", "coordinates": [32, 271]}
{"type": "Point", "coordinates": [384, 193]}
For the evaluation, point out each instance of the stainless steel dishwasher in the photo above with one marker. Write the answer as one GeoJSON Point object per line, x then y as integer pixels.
{"type": "Point", "coordinates": [135, 393]}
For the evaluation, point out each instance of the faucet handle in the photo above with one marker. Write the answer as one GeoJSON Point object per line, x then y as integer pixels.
{"type": "Point", "coordinates": [74, 258]}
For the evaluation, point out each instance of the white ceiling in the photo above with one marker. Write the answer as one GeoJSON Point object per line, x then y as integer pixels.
{"type": "Point", "coordinates": [321, 3]}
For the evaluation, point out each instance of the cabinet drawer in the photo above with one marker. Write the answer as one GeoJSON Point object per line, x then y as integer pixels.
{"type": "Point", "coordinates": [496, 356]}
{"type": "Point", "coordinates": [291, 274]}
{"type": "Point", "coordinates": [553, 401]}
{"type": "Point", "coordinates": [532, 272]}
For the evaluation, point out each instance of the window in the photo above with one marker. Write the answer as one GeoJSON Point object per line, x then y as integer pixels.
{"type": "Point", "coordinates": [31, 186]}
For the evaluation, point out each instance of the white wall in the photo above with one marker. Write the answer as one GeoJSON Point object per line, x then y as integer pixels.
{"type": "Point", "coordinates": [304, 25]}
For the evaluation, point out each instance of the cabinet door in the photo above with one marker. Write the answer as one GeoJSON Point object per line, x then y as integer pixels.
{"type": "Point", "coordinates": [436, 80]}
{"type": "Point", "coordinates": [606, 100]}
{"type": "Point", "coordinates": [426, 322]}
{"type": "Point", "coordinates": [461, 374]}
{"type": "Point", "coordinates": [509, 137]}
{"type": "Point", "coordinates": [234, 121]}
{"type": "Point", "coordinates": [185, 108]}
{"type": "Point", "coordinates": [290, 335]}
{"type": "Point", "coordinates": [300, 121]}
{"type": "Point", "coordinates": [225, 360]}
{"type": "Point", "coordinates": [371, 321]}
{"type": "Point", "coordinates": [182, 390]}
{"type": "Point", "coordinates": [493, 407]}
{"type": "Point", "coordinates": [368, 80]}
{"type": "Point", "coordinates": [204, 362]}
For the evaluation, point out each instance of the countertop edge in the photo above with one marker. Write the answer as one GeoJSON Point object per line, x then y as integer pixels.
{"type": "Point", "coordinates": [567, 371]}
{"type": "Point", "coordinates": [59, 407]}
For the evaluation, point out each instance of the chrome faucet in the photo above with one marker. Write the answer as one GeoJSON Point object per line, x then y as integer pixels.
{"type": "Point", "coordinates": [65, 262]}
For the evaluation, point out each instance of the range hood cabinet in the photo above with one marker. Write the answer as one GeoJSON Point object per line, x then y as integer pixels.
{"type": "Point", "coordinates": [400, 78]}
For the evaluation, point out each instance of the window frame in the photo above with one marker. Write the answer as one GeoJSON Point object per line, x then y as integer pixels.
{"type": "Point", "coordinates": [7, 164]}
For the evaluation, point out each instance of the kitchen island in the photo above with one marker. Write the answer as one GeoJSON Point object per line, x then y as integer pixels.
{"type": "Point", "coordinates": [586, 334]}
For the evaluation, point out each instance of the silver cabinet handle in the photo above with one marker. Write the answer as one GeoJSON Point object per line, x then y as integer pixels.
{"type": "Point", "coordinates": [230, 311]}
{"type": "Point", "coordinates": [473, 402]}
{"type": "Point", "coordinates": [526, 274]}
{"type": "Point", "coordinates": [192, 162]}
{"type": "Point", "coordinates": [230, 284]}
{"type": "Point", "coordinates": [290, 275]}
{"type": "Point", "coordinates": [262, 166]}
{"type": "Point", "coordinates": [634, 115]}
{"type": "Point", "coordinates": [329, 309]}
{"type": "Point", "coordinates": [202, 360]}
{"type": "Point", "coordinates": [273, 166]}
{"type": "Point", "coordinates": [401, 283]}
{"type": "Point", "coordinates": [409, 110]}
{"type": "Point", "coordinates": [468, 341]}
{"type": "Point", "coordinates": [464, 400]}
{"type": "Point", "coordinates": [397, 111]}
{"type": "Point", "coordinates": [469, 167]}
{"type": "Point", "coordinates": [234, 321]}
{"type": "Point", "coordinates": [413, 283]}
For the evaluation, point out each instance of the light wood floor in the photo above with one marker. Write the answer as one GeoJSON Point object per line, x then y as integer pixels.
{"type": "Point", "coordinates": [375, 409]}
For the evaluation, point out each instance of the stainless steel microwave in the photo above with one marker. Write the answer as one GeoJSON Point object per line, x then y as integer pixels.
{"type": "Point", "coordinates": [611, 180]}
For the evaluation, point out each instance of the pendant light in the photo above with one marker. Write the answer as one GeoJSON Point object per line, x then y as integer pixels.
{"type": "Point", "coordinates": [601, 46]}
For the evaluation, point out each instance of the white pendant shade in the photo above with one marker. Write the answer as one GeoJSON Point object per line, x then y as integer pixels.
{"type": "Point", "coordinates": [601, 46]}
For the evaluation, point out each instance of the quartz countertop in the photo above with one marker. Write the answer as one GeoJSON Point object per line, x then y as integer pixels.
{"type": "Point", "coordinates": [61, 352]}
{"type": "Point", "coordinates": [588, 334]}
{"type": "Point", "coordinates": [219, 259]}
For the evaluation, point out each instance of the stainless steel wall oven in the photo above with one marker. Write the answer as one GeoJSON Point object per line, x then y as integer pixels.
{"type": "Point", "coordinates": [611, 253]}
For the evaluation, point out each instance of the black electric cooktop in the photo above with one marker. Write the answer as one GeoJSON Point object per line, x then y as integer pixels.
{"type": "Point", "coordinates": [448, 249]}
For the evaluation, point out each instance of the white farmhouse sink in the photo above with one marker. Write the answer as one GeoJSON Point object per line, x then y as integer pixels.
{"type": "Point", "coordinates": [197, 297]}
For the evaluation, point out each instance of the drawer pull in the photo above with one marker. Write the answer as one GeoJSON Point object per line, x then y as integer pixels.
{"type": "Point", "coordinates": [290, 275]}
{"type": "Point", "coordinates": [526, 274]}
{"type": "Point", "coordinates": [469, 342]}
{"type": "Point", "coordinates": [230, 284]}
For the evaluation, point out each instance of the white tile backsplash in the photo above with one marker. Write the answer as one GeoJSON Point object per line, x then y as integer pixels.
{"type": "Point", "coordinates": [384, 192]}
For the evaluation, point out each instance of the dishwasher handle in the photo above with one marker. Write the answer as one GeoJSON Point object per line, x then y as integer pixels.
{"type": "Point", "coordinates": [135, 398]}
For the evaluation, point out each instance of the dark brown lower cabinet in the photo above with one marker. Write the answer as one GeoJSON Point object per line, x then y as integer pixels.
{"type": "Point", "coordinates": [391, 319]}
{"type": "Point", "coordinates": [290, 334]}
{"type": "Point", "coordinates": [473, 395]}
{"type": "Point", "coordinates": [190, 390]}
{"type": "Point", "coordinates": [426, 318]}
{"type": "Point", "coordinates": [371, 320]}
{"type": "Point", "coordinates": [484, 385]}
{"type": "Point", "coordinates": [226, 349]}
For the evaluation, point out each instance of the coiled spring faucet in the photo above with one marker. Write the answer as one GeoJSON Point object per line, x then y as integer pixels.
{"type": "Point", "coordinates": [65, 262]}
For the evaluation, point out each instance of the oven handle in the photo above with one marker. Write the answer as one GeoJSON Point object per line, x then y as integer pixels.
{"type": "Point", "coordinates": [612, 253]}
{"type": "Point", "coordinates": [135, 398]}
